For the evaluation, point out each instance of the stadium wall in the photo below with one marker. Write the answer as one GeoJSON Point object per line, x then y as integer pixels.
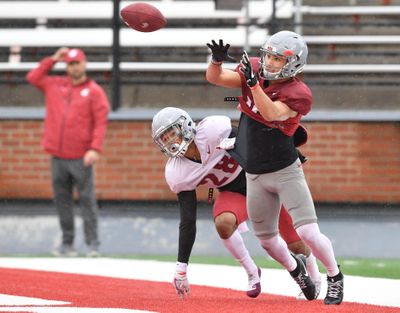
{"type": "Point", "coordinates": [348, 162]}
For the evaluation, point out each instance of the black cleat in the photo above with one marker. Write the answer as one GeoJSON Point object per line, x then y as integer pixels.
{"type": "Point", "coordinates": [301, 277]}
{"type": "Point", "coordinates": [334, 294]}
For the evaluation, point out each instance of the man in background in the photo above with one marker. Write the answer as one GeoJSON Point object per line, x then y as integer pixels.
{"type": "Point", "coordinates": [74, 129]}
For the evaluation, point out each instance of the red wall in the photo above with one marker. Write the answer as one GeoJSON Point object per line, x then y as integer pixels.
{"type": "Point", "coordinates": [348, 162]}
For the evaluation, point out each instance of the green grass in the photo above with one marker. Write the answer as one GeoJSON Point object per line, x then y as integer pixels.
{"type": "Point", "coordinates": [384, 268]}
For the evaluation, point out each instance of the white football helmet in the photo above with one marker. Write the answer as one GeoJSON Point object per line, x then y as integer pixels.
{"type": "Point", "coordinates": [173, 130]}
{"type": "Point", "coordinates": [288, 45]}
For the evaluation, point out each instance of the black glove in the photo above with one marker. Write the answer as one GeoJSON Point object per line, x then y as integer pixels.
{"type": "Point", "coordinates": [247, 70]}
{"type": "Point", "coordinates": [220, 52]}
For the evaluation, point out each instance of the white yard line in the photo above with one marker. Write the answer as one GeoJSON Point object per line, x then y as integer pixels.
{"type": "Point", "coordinates": [376, 291]}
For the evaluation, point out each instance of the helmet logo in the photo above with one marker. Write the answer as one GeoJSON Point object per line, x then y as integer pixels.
{"type": "Point", "coordinates": [271, 49]}
{"type": "Point", "coordinates": [288, 53]}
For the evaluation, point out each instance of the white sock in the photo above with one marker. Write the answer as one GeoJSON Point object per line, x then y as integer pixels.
{"type": "Point", "coordinates": [237, 248]}
{"type": "Point", "coordinates": [312, 268]}
{"type": "Point", "coordinates": [278, 250]}
{"type": "Point", "coordinates": [320, 246]}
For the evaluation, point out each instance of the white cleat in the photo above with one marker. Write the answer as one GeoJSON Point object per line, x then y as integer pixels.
{"type": "Point", "coordinates": [254, 288]}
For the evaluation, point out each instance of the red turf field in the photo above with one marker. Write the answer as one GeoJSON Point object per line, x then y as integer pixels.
{"type": "Point", "coordinates": [84, 292]}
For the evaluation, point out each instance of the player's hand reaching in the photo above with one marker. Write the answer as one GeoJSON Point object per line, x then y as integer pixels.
{"type": "Point", "coordinates": [180, 281]}
{"type": "Point", "coordinates": [247, 70]}
{"type": "Point", "coordinates": [220, 52]}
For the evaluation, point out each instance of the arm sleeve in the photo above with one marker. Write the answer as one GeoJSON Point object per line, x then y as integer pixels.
{"type": "Point", "coordinates": [38, 76]}
{"type": "Point", "coordinates": [100, 109]}
{"type": "Point", "coordinates": [187, 227]}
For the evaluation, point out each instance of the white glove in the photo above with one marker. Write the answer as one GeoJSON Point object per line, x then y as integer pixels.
{"type": "Point", "coordinates": [227, 143]}
{"type": "Point", "coordinates": [180, 281]}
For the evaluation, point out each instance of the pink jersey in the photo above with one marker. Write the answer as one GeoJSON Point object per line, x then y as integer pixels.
{"type": "Point", "coordinates": [217, 167]}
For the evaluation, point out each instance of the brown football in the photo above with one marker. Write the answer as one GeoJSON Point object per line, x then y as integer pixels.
{"type": "Point", "coordinates": [143, 17]}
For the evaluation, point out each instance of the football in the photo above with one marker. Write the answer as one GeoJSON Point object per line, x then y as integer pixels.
{"type": "Point", "coordinates": [143, 17]}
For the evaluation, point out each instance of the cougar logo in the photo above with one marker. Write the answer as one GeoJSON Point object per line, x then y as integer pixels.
{"type": "Point", "coordinates": [85, 92]}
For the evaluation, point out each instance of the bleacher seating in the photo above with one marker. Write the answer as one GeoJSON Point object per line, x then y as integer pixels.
{"type": "Point", "coordinates": [46, 25]}
{"type": "Point", "coordinates": [179, 9]}
{"type": "Point", "coordinates": [44, 35]}
{"type": "Point", "coordinates": [350, 10]}
{"type": "Point", "coordinates": [33, 29]}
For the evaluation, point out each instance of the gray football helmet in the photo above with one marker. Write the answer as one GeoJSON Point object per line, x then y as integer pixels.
{"type": "Point", "coordinates": [173, 130]}
{"type": "Point", "coordinates": [285, 44]}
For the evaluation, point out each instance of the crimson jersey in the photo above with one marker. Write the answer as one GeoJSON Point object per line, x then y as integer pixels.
{"type": "Point", "coordinates": [262, 146]}
{"type": "Point", "coordinates": [294, 93]}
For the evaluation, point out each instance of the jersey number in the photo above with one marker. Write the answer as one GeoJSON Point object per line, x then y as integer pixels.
{"type": "Point", "coordinates": [226, 165]}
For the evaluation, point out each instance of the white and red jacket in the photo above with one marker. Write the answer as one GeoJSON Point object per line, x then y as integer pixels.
{"type": "Point", "coordinates": [76, 115]}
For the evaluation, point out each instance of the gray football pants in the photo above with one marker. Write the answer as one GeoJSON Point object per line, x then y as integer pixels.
{"type": "Point", "coordinates": [67, 174]}
{"type": "Point", "coordinates": [267, 192]}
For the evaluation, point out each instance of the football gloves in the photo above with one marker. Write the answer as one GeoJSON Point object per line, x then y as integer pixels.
{"type": "Point", "coordinates": [220, 52]}
{"type": "Point", "coordinates": [247, 70]}
{"type": "Point", "coordinates": [180, 281]}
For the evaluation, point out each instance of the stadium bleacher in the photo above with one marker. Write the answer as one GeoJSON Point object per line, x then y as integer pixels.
{"type": "Point", "coordinates": [174, 58]}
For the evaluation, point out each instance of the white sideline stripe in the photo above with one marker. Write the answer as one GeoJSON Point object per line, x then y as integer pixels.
{"type": "Point", "coordinates": [69, 310]}
{"type": "Point", "coordinates": [19, 300]}
{"type": "Point", "coordinates": [375, 291]}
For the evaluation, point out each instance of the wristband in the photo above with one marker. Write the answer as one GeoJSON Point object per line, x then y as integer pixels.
{"type": "Point", "coordinates": [181, 267]}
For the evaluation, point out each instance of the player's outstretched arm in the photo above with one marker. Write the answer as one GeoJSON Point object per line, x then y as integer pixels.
{"type": "Point", "coordinates": [187, 235]}
{"type": "Point", "coordinates": [215, 73]}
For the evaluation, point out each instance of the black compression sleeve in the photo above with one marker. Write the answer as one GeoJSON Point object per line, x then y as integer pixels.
{"type": "Point", "coordinates": [187, 227]}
